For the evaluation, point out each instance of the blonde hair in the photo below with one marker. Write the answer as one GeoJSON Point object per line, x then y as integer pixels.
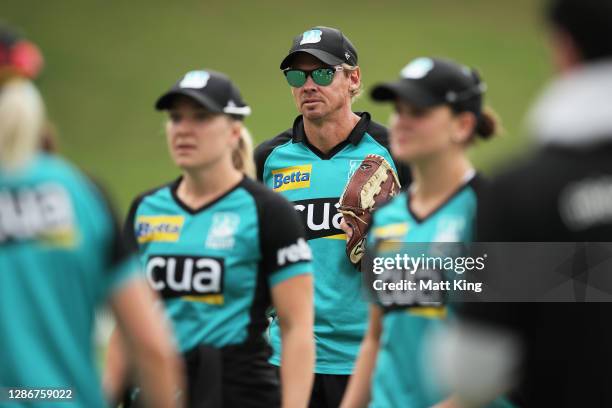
{"type": "Point", "coordinates": [242, 156]}
{"type": "Point", "coordinates": [355, 93]}
{"type": "Point", "coordinates": [22, 116]}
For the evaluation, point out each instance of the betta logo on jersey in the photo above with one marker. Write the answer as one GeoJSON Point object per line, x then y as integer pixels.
{"type": "Point", "coordinates": [165, 228]}
{"type": "Point", "coordinates": [321, 218]}
{"type": "Point", "coordinates": [292, 178]}
{"type": "Point", "coordinates": [194, 279]}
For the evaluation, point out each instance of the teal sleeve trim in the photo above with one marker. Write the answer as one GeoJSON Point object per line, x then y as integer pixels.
{"type": "Point", "coordinates": [123, 272]}
{"type": "Point", "coordinates": [290, 271]}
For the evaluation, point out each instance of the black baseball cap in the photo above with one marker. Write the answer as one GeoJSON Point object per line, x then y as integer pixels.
{"type": "Point", "coordinates": [428, 82]}
{"type": "Point", "coordinates": [213, 90]}
{"type": "Point", "coordinates": [325, 43]}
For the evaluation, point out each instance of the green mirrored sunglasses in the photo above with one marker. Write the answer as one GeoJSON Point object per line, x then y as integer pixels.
{"type": "Point", "coordinates": [320, 76]}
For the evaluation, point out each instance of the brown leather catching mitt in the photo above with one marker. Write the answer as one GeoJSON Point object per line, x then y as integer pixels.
{"type": "Point", "coordinates": [373, 183]}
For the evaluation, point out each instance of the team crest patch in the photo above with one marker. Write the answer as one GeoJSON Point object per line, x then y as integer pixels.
{"type": "Point", "coordinates": [311, 37]}
{"type": "Point", "coordinates": [222, 232]}
{"type": "Point", "coordinates": [449, 229]}
{"type": "Point", "coordinates": [291, 178]}
{"type": "Point", "coordinates": [353, 166]}
{"type": "Point", "coordinates": [195, 79]}
{"type": "Point", "coordinates": [165, 228]}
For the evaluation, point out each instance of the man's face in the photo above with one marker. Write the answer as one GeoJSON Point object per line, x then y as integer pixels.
{"type": "Point", "coordinates": [317, 102]}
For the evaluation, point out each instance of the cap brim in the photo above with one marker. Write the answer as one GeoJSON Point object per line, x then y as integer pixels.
{"type": "Point", "coordinates": [165, 101]}
{"type": "Point", "coordinates": [324, 56]}
{"type": "Point", "coordinates": [408, 91]}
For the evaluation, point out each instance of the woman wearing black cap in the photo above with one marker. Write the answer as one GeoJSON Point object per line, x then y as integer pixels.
{"type": "Point", "coordinates": [438, 114]}
{"type": "Point", "coordinates": [210, 244]}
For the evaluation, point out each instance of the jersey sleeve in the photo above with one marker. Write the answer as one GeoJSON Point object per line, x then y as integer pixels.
{"type": "Point", "coordinates": [121, 264]}
{"type": "Point", "coordinates": [284, 249]}
{"type": "Point", "coordinates": [261, 154]}
{"type": "Point", "coordinates": [129, 233]}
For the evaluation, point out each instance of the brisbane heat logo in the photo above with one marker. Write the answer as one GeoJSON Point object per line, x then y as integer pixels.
{"type": "Point", "coordinates": [291, 178]}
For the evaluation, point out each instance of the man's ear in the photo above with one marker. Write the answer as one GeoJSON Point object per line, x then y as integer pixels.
{"type": "Point", "coordinates": [355, 79]}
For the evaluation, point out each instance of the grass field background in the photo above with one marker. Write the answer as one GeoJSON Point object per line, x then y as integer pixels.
{"type": "Point", "coordinates": [107, 62]}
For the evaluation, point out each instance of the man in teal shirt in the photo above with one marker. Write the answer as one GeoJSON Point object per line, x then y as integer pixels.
{"type": "Point", "coordinates": [310, 164]}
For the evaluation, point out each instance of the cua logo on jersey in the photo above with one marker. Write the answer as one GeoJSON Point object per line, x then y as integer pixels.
{"type": "Point", "coordinates": [321, 218]}
{"type": "Point", "coordinates": [187, 277]}
{"type": "Point", "coordinates": [166, 228]}
{"type": "Point", "coordinates": [291, 178]}
{"type": "Point", "coordinates": [43, 213]}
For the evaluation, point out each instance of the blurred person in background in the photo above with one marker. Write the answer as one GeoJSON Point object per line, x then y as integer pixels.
{"type": "Point", "coordinates": [220, 249]}
{"type": "Point", "coordinates": [563, 192]}
{"type": "Point", "coordinates": [310, 164]}
{"type": "Point", "coordinates": [20, 57]}
{"type": "Point", "coordinates": [438, 115]}
{"type": "Point", "coordinates": [62, 256]}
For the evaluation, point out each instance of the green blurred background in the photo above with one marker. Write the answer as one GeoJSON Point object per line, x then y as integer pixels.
{"type": "Point", "coordinates": [107, 62]}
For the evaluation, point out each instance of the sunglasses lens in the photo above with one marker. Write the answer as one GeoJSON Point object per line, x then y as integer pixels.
{"type": "Point", "coordinates": [295, 78]}
{"type": "Point", "coordinates": [323, 76]}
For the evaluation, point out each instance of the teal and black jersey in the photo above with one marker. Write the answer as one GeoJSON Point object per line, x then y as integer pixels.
{"type": "Point", "coordinates": [61, 255]}
{"type": "Point", "coordinates": [313, 182]}
{"type": "Point", "coordinates": [402, 377]}
{"type": "Point", "coordinates": [214, 266]}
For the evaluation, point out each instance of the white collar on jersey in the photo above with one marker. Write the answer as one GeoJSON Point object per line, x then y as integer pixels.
{"type": "Point", "coordinates": [575, 110]}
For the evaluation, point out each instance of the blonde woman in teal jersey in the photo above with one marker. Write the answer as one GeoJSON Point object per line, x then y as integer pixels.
{"type": "Point", "coordinates": [220, 249]}
{"type": "Point", "coordinates": [438, 113]}
{"type": "Point", "coordinates": [61, 256]}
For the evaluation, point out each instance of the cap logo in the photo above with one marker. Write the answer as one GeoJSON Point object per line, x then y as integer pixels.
{"type": "Point", "coordinates": [195, 79]}
{"type": "Point", "coordinates": [417, 69]}
{"type": "Point", "coordinates": [347, 56]}
{"type": "Point", "coordinates": [311, 37]}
